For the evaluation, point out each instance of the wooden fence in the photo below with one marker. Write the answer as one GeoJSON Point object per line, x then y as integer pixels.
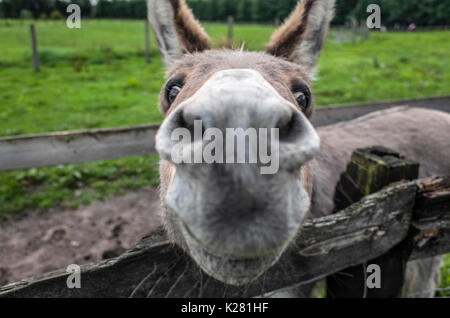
{"type": "Point", "coordinates": [411, 214]}
{"type": "Point", "coordinates": [363, 231]}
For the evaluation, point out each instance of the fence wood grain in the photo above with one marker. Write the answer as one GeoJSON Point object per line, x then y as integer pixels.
{"type": "Point", "coordinates": [369, 170]}
{"type": "Point", "coordinates": [364, 230]}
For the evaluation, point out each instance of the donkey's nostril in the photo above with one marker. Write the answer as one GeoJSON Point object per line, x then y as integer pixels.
{"type": "Point", "coordinates": [289, 127]}
{"type": "Point", "coordinates": [191, 122]}
{"type": "Point", "coordinates": [184, 119]}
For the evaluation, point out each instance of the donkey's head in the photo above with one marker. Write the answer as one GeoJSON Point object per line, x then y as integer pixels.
{"type": "Point", "coordinates": [235, 220]}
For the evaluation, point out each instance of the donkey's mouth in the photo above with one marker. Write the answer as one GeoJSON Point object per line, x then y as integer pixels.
{"type": "Point", "coordinates": [230, 268]}
{"type": "Point", "coordinates": [233, 234]}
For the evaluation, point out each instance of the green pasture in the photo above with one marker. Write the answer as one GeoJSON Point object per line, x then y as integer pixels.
{"type": "Point", "coordinates": [96, 77]}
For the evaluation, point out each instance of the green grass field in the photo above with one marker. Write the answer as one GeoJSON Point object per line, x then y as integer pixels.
{"type": "Point", "coordinates": [96, 76]}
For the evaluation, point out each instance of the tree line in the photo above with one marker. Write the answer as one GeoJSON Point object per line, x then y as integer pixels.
{"type": "Point", "coordinates": [402, 12]}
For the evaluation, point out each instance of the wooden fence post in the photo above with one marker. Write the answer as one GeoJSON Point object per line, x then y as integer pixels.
{"type": "Point", "coordinates": [147, 42]}
{"type": "Point", "coordinates": [230, 29]}
{"type": "Point", "coordinates": [353, 28]}
{"type": "Point", "coordinates": [369, 171]}
{"type": "Point", "coordinates": [277, 22]}
{"type": "Point", "coordinates": [34, 50]}
{"type": "Point", "coordinates": [364, 31]}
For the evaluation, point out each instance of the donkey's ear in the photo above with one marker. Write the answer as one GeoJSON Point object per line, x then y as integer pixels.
{"type": "Point", "coordinates": [301, 37]}
{"type": "Point", "coordinates": [176, 30]}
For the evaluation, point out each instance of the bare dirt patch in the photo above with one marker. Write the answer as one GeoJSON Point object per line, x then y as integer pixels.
{"type": "Point", "coordinates": [41, 243]}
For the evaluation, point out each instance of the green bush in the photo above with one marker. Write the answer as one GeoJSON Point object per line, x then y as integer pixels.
{"type": "Point", "coordinates": [56, 15]}
{"type": "Point", "coordinates": [403, 12]}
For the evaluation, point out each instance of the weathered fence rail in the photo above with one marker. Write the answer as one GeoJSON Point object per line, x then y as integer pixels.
{"type": "Point", "coordinates": [42, 150]}
{"type": "Point", "coordinates": [74, 147]}
{"type": "Point", "coordinates": [363, 231]}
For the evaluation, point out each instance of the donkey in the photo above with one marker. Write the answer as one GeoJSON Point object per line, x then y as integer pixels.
{"type": "Point", "coordinates": [232, 220]}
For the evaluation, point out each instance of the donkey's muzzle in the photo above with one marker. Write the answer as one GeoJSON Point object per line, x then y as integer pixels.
{"type": "Point", "coordinates": [243, 119]}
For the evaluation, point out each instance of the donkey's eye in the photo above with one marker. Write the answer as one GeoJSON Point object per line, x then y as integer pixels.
{"type": "Point", "coordinates": [302, 99]}
{"type": "Point", "coordinates": [173, 88]}
{"type": "Point", "coordinates": [173, 92]}
{"type": "Point", "coordinates": [302, 94]}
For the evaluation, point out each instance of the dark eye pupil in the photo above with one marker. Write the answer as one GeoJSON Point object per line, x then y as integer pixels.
{"type": "Point", "coordinates": [302, 100]}
{"type": "Point", "coordinates": [173, 93]}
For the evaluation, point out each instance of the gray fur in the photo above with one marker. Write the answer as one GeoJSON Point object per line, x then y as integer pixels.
{"type": "Point", "coordinates": [301, 38]}
{"type": "Point", "coordinates": [419, 134]}
{"type": "Point", "coordinates": [161, 15]}
{"type": "Point", "coordinates": [234, 220]}
{"type": "Point", "coordinates": [310, 48]}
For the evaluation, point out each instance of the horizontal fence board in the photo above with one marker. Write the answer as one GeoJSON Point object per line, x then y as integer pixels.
{"type": "Point", "coordinates": [363, 231]}
{"type": "Point", "coordinates": [75, 147]}
{"type": "Point", "coordinates": [35, 151]}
